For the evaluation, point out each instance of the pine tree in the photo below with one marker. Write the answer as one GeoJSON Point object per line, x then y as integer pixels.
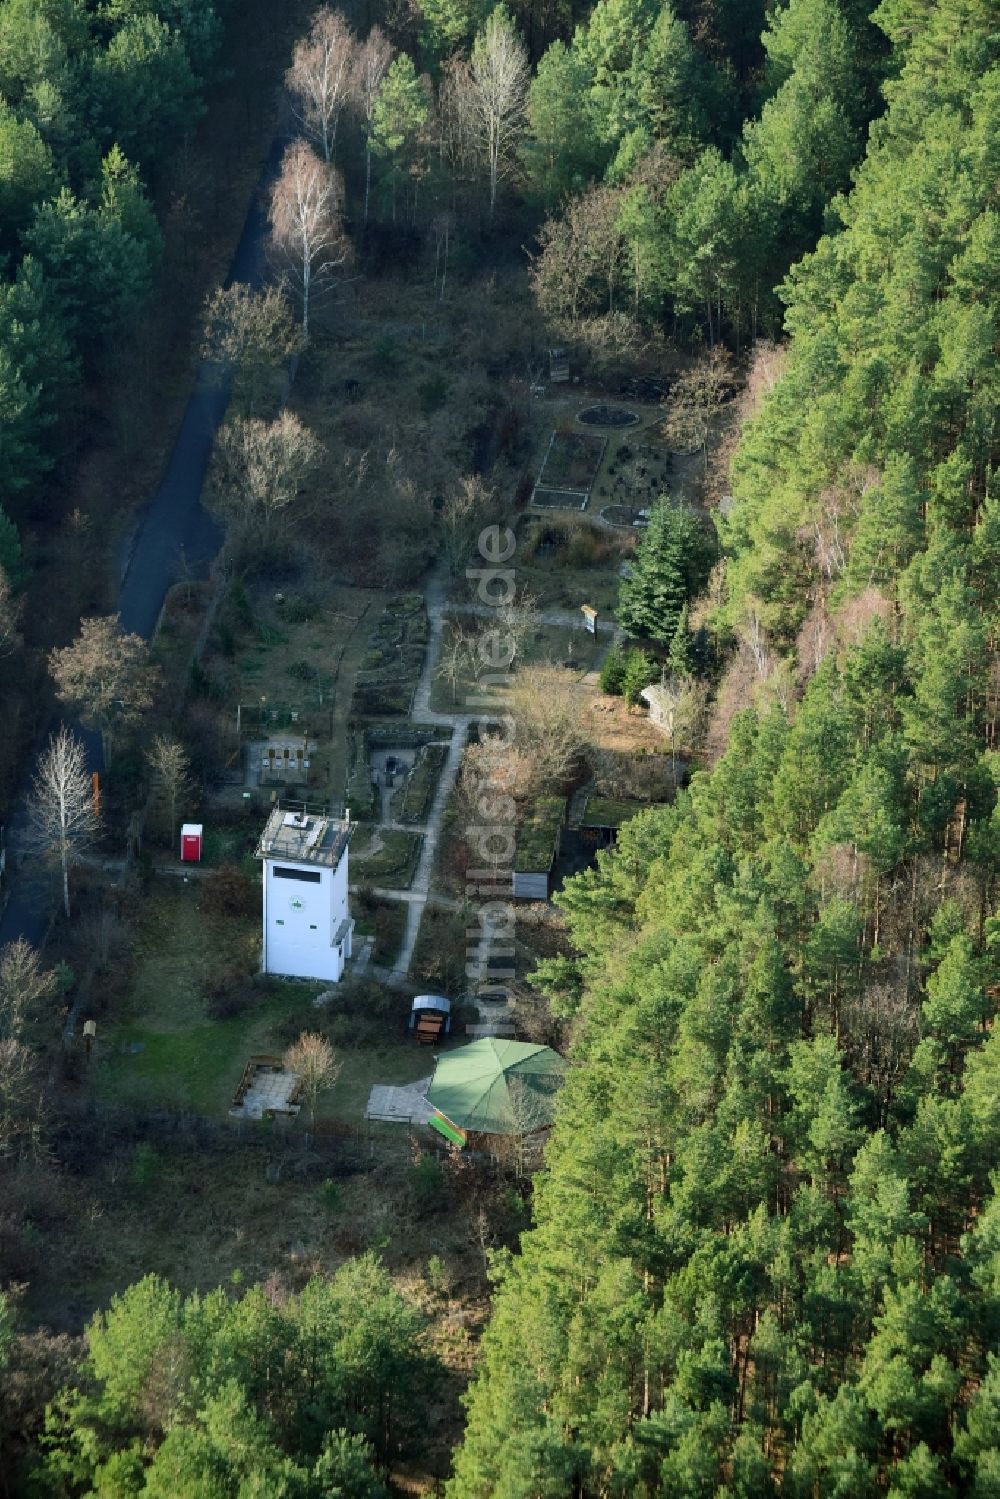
{"type": "Point", "coordinates": [671, 564]}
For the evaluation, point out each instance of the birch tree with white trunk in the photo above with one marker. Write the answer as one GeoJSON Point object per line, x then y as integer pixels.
{"type": "Point", "coordinates": [371, 63]}
{"type": "Point", "coordinates": [500, 77]}
{"type": "Point", "coordinates": [307, 234]}
{"type": "Point", "coordinates": [61, 812]}
{"type": "Point", "coordinates": [320, 81]}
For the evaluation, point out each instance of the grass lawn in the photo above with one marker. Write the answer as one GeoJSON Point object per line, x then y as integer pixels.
{"type": "Point", "coordinates": [573, 460]}
{"type": "Point", "coordinates": [188, 1060]}
{"type": "Point", "coordinates": [229, 843]}
{"type": "Point", "coordinates": [397, 1062]}
{"type": "Point", "coordinates": [440, 957]}
{"type": "Point", "coordinates": [556, 643]}
{"type": "Point", "coordinates": [385, 921]}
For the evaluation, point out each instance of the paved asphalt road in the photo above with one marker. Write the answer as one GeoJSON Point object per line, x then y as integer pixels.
{"type": "Point", "coordinates": [174, 519]}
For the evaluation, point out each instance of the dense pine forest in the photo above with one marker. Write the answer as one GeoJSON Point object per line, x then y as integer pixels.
{"type": "Point", "coordinates": [765, 1254]}
{"type": "Point", "coordinates": [762, 1253]}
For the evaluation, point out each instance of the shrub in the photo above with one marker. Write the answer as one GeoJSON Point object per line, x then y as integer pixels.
{"type": "Point", "coordinates": [226, 996]}
{"type": "Point", "coordinates": [329, 1195]}
{"type": "Point", "coordinates": [586, 548]}
{"type": "Point", "coordinates": [437, 1275]}
{"type": "Point", "coordinates": [432, 394]}
{"type": "Point", "coordinates": [147, 1167]}
{"type": "Point", "coordinates": [386, 353]}
{"type": "Point", "coordinates": [427, 1184]}
{"type": "Point", "coordinates": [301, 609]}
{"type": "Point", "coordinates": [612, 679]}
{"type": "Point", "coordinates": [300, 1017]}
{"type": "Point", "coordinates": [640, 671]}
{"type": "Point", "coordinates": [230, 892]}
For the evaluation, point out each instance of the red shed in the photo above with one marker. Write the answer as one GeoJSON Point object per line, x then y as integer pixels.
{"type": "Point", "coordinates": [191, 842]}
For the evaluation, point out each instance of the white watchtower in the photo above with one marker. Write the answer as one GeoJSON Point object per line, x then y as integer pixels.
{"type": "Point", "coordinates": [307, 920]}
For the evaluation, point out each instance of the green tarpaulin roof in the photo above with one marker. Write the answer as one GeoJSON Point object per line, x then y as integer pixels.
{"type": "Point", "coordinates": [497, 1087]}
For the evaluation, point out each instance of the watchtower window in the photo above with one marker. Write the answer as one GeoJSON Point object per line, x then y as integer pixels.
{"type": "Point", "coordinates": [311, 876]}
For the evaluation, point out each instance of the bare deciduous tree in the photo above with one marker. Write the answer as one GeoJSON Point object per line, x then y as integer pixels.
{"type": "Point", "coordinates": [26, 989]}
{"type": "Point", "coordinates": [371, 63]}
{"type": "Point", "coordinates": [253, 334]}
{"type": "Point", "coordinates": [694, 400]}
{"type": "Point", "coordinates": [531, 1110]}
{"type": "Point", "coordinates": [105, 675]}
{"type": "Point", "coordinates": [456, 119]}
{"type": "Point", "coordinates": [468, 506]}
{"type": "Point", "coordinates": [320, 80]}
{"type": "Point", "coordinates": [500, 76]}
{"type": "Point", "coordinates": [683, 708]}
{"type": "Point", "coordinates": [881, 1025]}
{"type": "Point", "coordinates": [306, 229]}
{"type": "Point", "coordinates": [260, 468]}
{"type": "Point", "coordinates": [546, 707]}
{"type": "Point", "coordinates": [19, 1092]}
{"type": "Point", "coordinates": [582, 256]}
{"type": "Point", "coordinates": [61, 812]}
{"type": "Point", "coordinates": [170, 768]}
{"type": "Point", "coordinates": [515, 619]}
{"type": "Point", "coordinates": [458, 650]}
{"type": "Point", "coordinates": [315, 1061]}
{"type": "Point", "coordinates": [10, 616]}
{"type": "Point", "coordinates": [105, 936]}
{"type": "Point", "coordinates": [442, 229]}
{"type": "Point", "coordinates": [493, 771]}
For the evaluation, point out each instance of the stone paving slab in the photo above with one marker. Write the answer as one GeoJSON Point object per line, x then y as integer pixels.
{"type": "Point", "coordinates": [400, 1105]}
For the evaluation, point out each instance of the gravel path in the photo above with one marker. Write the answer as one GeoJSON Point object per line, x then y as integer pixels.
{"type": "Point", "coordinates": [418, 896]}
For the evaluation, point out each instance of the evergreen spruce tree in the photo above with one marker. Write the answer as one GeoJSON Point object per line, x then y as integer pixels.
{"type": "Point", "coordinates": [671, 564]}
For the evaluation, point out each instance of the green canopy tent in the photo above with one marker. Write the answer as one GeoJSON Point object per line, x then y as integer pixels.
{"type": "Point", "coordinates": [495, 1087]}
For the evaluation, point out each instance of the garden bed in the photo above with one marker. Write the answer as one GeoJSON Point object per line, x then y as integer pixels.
{"type": "Point", "coordinates": [439, 961]}
{"type": "Point", "coordinates": [385, 920]}
{"type": "Point", "coordinates": [392, 861]}
{"type": "Point", "coordinates": [412, 802]}
{"type": "Point", "coordinates": [572, 461]}
{"type": "Point", "coordinates": [608, 416]}
{"type": "Point", "coordinates": [393, 660]}
{"type": "Point", "coordinates": [561, 499]}
{"type": "Point", "coordinates": [359, 792]}
{"type": "Point", "coordinates": [626, 515]}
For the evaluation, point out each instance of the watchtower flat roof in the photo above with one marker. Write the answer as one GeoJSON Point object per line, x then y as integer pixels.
{"type": "Point", "coordinates": [304, 837]}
